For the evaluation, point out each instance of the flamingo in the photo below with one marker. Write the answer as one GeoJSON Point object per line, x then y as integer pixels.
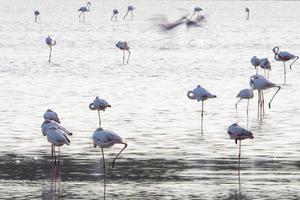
{"type": "Point", "coordinates": [238, 133]}
{"type": "Point", "coordinates": [255, 62]}
{"type": "Point", "coordinates": [129, 9]}
{"type": "Point", "coordinates": [50, 42]}
{"type": "Point", "coordinates": [248, 12]}
{"type": "Point", "coordinates": [56, 135]}
{"type": "Point", "coordinates": [115, 14]}
{"type": "Point", "coordinates": [99, 104]}
{"type": "Point", "coordinates": [260, 83]}
{"type": "Point", "coordinates": [36, 14]}
{"type": "Point", "coordinates": [124, 46]}
{"type": "Point", "coordinates": [284, 56]}
{"type": "Point", "coordinates": [84, 9]}
{"type": "Point", "coordinates": [245, 94]}
{"type": "Point", "coordinates": [200, 94]}
{"type": "Point", "coordinates": [196, 10]}
{"type": "Point", "coordinates": [103, 139]}
{"type": "Point", "coordinates": [51, 115]}
{"type": "Point", "coordinates": [265, 65]}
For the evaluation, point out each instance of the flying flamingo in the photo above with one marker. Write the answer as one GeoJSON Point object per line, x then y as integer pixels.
{"type": "Point", "coordinates": [115, 14]}
{"type": "Point", "coordinates": [103, 139]}
{"type": "Point", "coordinates": [36, 15]}
{"type": "Point", "coordinates": [260, 83]}
{"type": "Point", "coordinates": [238, 133]}
{"type": "Point", "coordinates": [50, 42]}
{"type": "Point", "coordinates": [284, 56]}
{"type": "Point", "coordinates": [51, 115]}
{"type": "Point", "coordinates": [196, 10]}
{"type": "Point", "coordinates": [266, 66]}
{"type": "Point", "coordinates": [245, 94]}
{"type": "Point", "coordinates": [255, 62]}
{"type": "Point", "coordinates": [248, 12]}
{"type": "Point", "coordinates": [129, 9]}
{"type": "Point", "coordinates": [99, 104]}
{"type": "Point", "coordinates": [124, 46]}
{"type": "Point", "coordinates": [84, 9]}
{"type": "Point", "coordinates": [200, 94]}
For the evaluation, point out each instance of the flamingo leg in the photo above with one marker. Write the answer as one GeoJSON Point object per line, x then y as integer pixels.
{"type": "Point", "coordinates": [202, 117]}
{"type": "Point", "coordinates": [296, 58]}
{"type": "Point", "coordinates": [113, 163]}
{"type": "Point", "coordinates": [83, 17]}
{"type": "Point", "coordinates": [35, 18]}
{"type": "Point", "coordinates": [123, 56]}
{"type": "Point", "coordinates": [258, 102]}
{"type": "Point", "coordinates": [58, 156]}
{"type": "Point", "coordinates": [274, 96]}
{"type": "Point", "coordinates": [50, 53]}
{"type": "Point", "coordinates": [103, 162]}
{"type": "Point", "coordinates": [128, 56]}
{"type": "Point", "coordinates": [52, 153]}
{"type": "Point", "coordinates": [284, 73]}
{"type": "Point", "coordinates": [131, 13]}
{"type": "Point", "coordinates": [112, 17]}
{"type": "Point", "coordinates": [99, 118]}
{"type": "Point", "coordinates": [239, 159]}
{"type": "Point", "coordinates": [125, 15]}
{"type": "Point", "coordinates": [80, 16]}
{"type": "Point", "coordinates": [263, 102]}
{"type": "Point", "coordinates": [247, 113]}
{"type": "Point", "coordinates": [237, 103]}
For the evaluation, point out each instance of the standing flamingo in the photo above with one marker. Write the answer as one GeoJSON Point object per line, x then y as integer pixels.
{"type": "Point", "coordinates": [248, 12]}
{"type": "Point", "coordinates": [200, 94]}
{"type": "Point", "coordinates": [129, 9]}
{"type": "Point", "coordinates": [51, 115]}
{"type": "Point", "coordinates": [84, 9]}
{"type": "Point", "coordinates": [99, 104]}
{"type": "Point", "coordinates": [284, 56]}
{"type": "Point", "coordinates": [266, 66]}
{"type": "Point", "coordinates": [103, 139]}
{"type": "Point", "coordinates": [260, 83]}
{"type": "Point", "coordinates": [115, 14]}
{"type": "Point", "coordinates": [36, 15]}
{"type": "Point", "coordinates": [50, 42]}
{"type": "Point", "coordinates": [255, 62]}
{"type": "Point", "coordinates": [124, 46]}
{"type": "Point", "coordinates": [196, 10]}
{"type": "Point", "coordinates": [238, 133]}
{"type": "Point", "coordinates": [245, 94]}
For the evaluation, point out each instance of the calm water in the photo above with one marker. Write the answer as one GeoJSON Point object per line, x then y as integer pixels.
{"type": "Point", "coordinates": [167, 157]}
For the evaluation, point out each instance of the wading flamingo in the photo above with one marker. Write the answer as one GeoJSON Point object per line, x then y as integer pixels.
{"type": "Point", "coordinates": [124, 47]}
{"type": "Point", "coordinates": [196, 11]}
{"type": "Point", "coordinates": [36, 15]}
{"type": "Point", "coordinates": [84, 9]}
{"type": "Point", "coordinates": [255, 62]}
{"type": "Point", "coordinates": [115, 14]}
{"type": "Point", "coordinates": [245, 94]}
{"type": "Point", "coordinates": [284, 56]}
{"type": "Point", "coordinates": [129, 9]}
{"type": "Point", "coordinates": [50, 42]}
{"type": "Point", "coordinates": [248, 12]}
{"type": "Point", "coordinates": [200, 94]}
{"type": "Point", "coordinates": [99, 104]}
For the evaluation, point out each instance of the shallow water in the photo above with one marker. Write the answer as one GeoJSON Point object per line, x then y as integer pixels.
{"type": "Point", "coordinates": [167, 157]}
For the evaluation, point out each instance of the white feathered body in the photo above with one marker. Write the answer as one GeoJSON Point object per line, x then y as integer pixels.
{"type": "Point", "coordinates": [104, 138]}
{"type": "Point", "coordinates": [200, 94]}
{"type": "Point", "coordinates": [245, 94]}
{"type": "Point", "coordinates": [238, 133]}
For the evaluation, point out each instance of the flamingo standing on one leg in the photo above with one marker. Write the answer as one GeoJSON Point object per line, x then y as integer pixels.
{"type": "Point", "coordinates": [51, 115]}
{"type": "Point", "coordinates": [200, 94]}
{"type": "Point", "coordinates": [84, 9]}
{"type": "Point", "coordinates": [266, 66]}
{"type": "Point", "coordinates": [129, 9]}
{"type": "Point", "coordinates": [284, 56]}
{"type": "Point", "coordinates": [115, 14]}
{"type": "Point", "coordinates": [255, 62]}
{"type": "Point", "coordinates": [50, 42]}
{"type": "Point", "coordinates": [36, 15]}
{"type": "Point", "coordinates": [99, 104]}
{"type": "Point", "coordinates": [103, 139]}
{"type": "Point", "coordinates": [196, 10]}
{"type": "Point", "coordinates": [124, 46]}
{"type": "Point", "coordinates": [248, 12]}
{"type": "Point", "coordinates": [260, 83]}
{"type": "Point", "coordinates": [238, 134]}
{"type": "Point", "coordinates": [245, 94]}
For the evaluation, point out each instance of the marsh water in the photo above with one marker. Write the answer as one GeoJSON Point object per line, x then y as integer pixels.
{"type": "Point", "coordinates": [167, 156]}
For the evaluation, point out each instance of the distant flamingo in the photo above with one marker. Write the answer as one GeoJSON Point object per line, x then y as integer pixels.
{"type": "Point", "coordinates": [99, 104]}
{"type": "Point", "coordinates": [48, 123]}
{"type": "Point", "coordinates": [50, 42]}
{"type": "Point", "coordinates": [266, 66]}
{"type": "Point", "coordinates": [245, 94]}
{"type": "Point", "coordinates": [260, 83]}
{"type": "Point", "coordinates": [129, 9]}
{"type": "Point", "coordinates": [248, 12]}
{"type": "Point", "coordinates": [255, 62]}
{"type": "Point", "coordinates": [196, 10]}
{"type": "Point", "coordinates": [284, 56]}
{"type": "Point", "coordinates": [238, 133]}
{"type": "Point", "coordinates": [51, 115]}
{"type": "Point", "coordinates": [115, 14]}
{"type": "Point", "coordinates": [124, 46]}
{"type": "Point", "coordinates": [36, 14]}
{"type": "Point", "coordinates": [103, 139]}
{"type": "Point", "coordinates": [200, 94]}
{"type": "Point", "coordinates": [84, 9]}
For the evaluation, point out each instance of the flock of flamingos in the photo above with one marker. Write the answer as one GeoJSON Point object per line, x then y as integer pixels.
{"type": "Point", "coordinates": [57, 134]}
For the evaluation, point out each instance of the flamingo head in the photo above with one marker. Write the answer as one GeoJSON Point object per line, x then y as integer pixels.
{"type": "Point", "coordinates": [275, 50]}
{"type": "Point", "coordinates": [89, 3]}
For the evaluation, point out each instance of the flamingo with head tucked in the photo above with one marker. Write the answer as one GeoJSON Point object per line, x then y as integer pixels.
{"type": "Point", "coordinates": [124, 47]}
{"type": "Point", "coordinates": [51, 115]}
{"type": "Point", "coordinates": [266, 66]}
{"type": "Point", "coordinates": [50, 42]}
{"type": "Point", "coordinates": [99, 104]}
{"type": "Point", "coordinates": [115, 14]}
{"type": "Point", "coordinates": [129, 9]}
{"type": "Point", "coordinates": [255, 62]}
{"type": "Point", "coordinates": [36, 15]}
{"type": "Point", "coordinates": [284, 56]}
{"type": "Point", "coordinates": [196, 11]}
{"type": "Point", "coordinates": [200, 94]}
{"type": "Point", "coordinates": [83, 10]}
